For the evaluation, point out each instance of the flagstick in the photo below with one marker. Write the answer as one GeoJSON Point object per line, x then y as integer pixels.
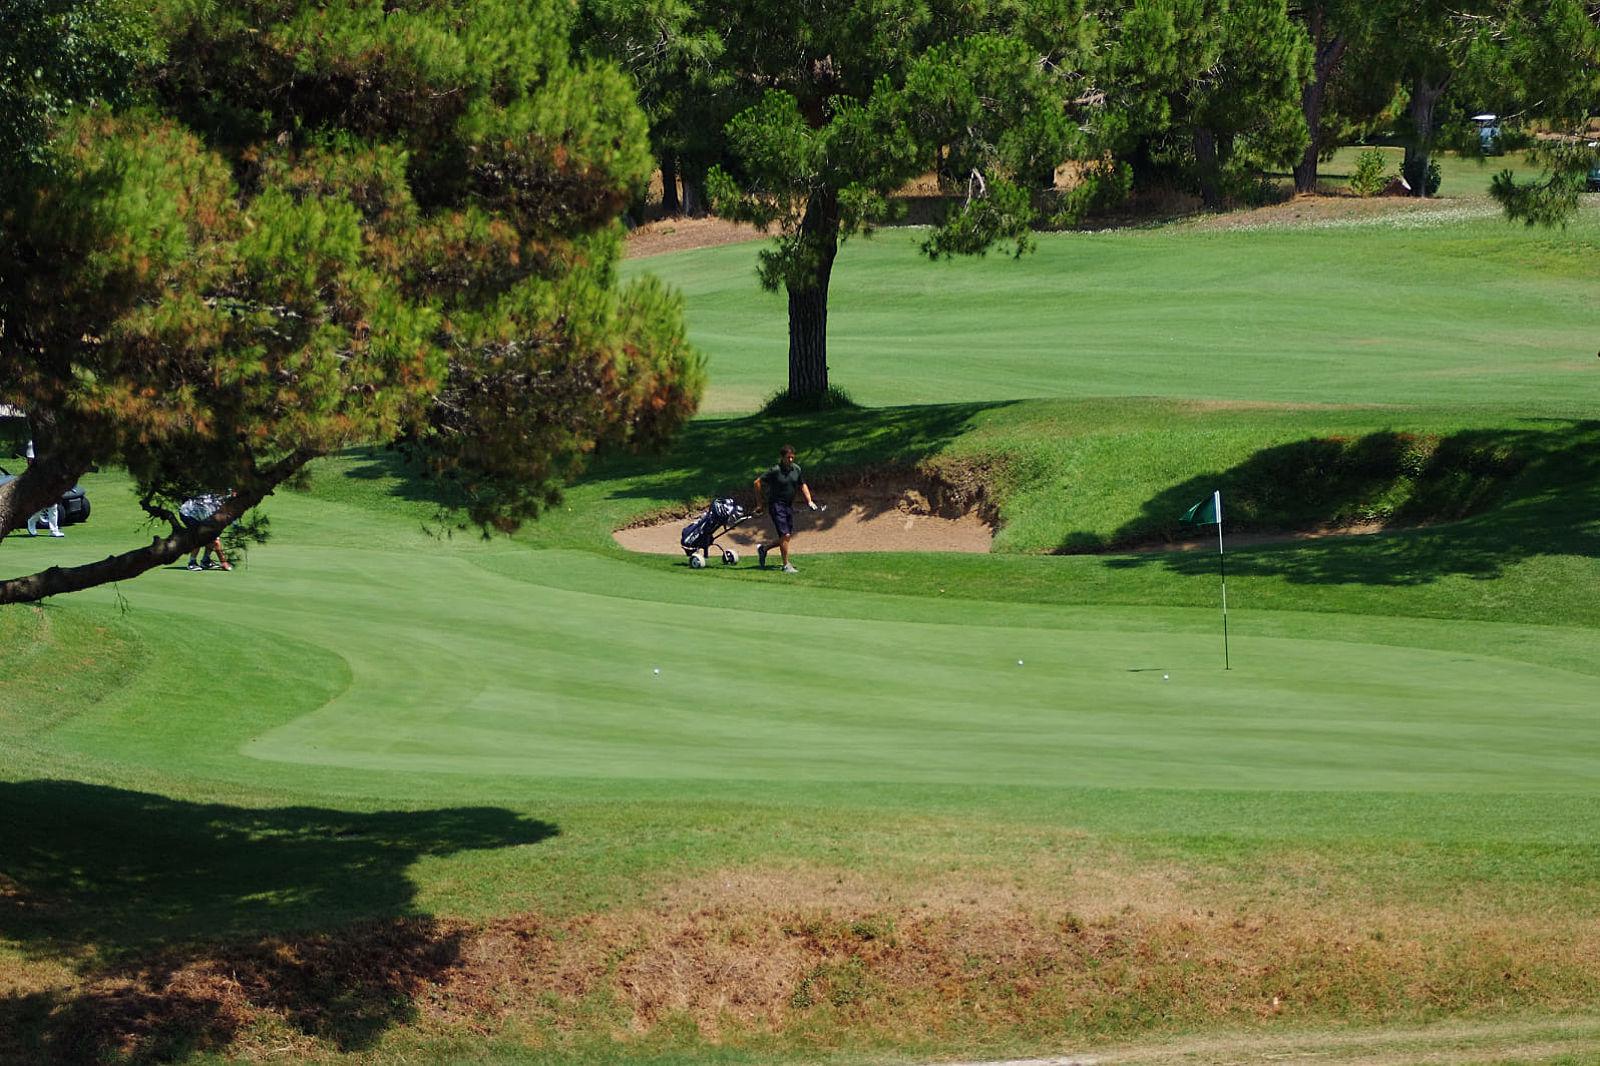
{"type": "Point", "coordinates": [1222, 565]}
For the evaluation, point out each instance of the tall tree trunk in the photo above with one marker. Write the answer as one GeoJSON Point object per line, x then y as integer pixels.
{"type": "Point", "coordinates": [694, 192]}
{"type": "Point", "coordinates": [808, 301]}
{"type": "Point", "coordinates": [1329, 48]}
{"type": "Point", "coordinates": [1424, 95]}
{"type": "Point", "coordinates": [1205, 154]}
{"type": "Point", "coordinates": [670, 204]}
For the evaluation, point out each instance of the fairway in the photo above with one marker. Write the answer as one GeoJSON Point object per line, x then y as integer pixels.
{"type": "Point", "coordinates": [1437, 310]}
{"type": "Point", "coordinates": [497, 662]}
{"type": "Point", "coordinates": [515, 678]}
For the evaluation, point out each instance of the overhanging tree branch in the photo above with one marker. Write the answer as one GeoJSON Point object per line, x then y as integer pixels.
{"type": "Point", "coordinates": [59, 580]}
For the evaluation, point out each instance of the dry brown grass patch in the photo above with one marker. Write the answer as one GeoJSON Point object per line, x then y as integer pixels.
{"type": "Point", "coordinates": [1085, 944]}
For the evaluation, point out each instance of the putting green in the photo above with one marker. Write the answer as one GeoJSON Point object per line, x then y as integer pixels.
{"type": "Point", "coordinates": [438, 664]}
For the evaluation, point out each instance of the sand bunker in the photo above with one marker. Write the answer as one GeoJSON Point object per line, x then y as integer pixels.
{"type": "Point", "coordinates": [859, 519]}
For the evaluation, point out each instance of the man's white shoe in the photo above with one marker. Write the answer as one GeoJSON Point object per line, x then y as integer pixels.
{"type": "Point", "coordinates": [788, 568]}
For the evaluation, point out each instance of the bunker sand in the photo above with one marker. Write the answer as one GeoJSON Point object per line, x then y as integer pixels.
{"type": "Point", "coordinates": [867, 520]}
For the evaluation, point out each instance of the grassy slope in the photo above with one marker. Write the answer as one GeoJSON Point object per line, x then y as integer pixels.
{"type": "Point", "coordinates": [1473, 312]}
{"type": "Point", "coordinates": [407, 732]}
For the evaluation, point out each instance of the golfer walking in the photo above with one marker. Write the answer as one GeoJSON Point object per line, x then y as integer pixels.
{"type": "Point", "coordinates": [776, 489]}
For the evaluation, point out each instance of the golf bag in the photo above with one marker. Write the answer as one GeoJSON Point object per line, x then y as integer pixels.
{"type": "Point", "coordinates": [700, 535]}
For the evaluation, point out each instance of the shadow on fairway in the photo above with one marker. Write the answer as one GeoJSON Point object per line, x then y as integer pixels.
{"type": "Point", "coordinates": [723, 456]}
{"type": "Point", "coordinates": [182, 919]}
{"type": "Point", "coordinates": [1477, 502]}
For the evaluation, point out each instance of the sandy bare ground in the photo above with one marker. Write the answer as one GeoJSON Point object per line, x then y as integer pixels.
{"type": "Point", "coordinates": [686, 234]}
{"type": "Point", "coordinates": [865, 521]}
{"type": "Point", "coordinates": [889, 524]}
{"type": "Point", "coordinates": [877, 525]}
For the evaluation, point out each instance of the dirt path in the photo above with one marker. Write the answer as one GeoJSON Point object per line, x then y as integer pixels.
{"type": "Point", "coordinates": [1575, 1039]}
{"type": "Point", "coordinates": [667, 235]}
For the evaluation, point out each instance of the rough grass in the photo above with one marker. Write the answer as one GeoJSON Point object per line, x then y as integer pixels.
{"type": "Point", "coordinates": [806, 959]}
{"type": "Point", "coordinates": [1494, 514]}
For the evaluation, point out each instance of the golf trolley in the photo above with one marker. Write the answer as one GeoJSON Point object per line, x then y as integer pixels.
{"type": "Point", "coordinates": [700, 536]}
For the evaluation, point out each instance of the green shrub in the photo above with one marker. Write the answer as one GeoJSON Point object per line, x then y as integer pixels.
{"type": "Point", "coordinates": [1371, 174]}
{"type": "Point", "coordinates": [781, 403]}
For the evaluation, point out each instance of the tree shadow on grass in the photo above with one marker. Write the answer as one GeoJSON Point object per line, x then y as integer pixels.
{"type": "Point", "coordinates": [187, 921]}
{"type": "Point", "coordinates": [722, 456]}
{"type": "Point", "coordinates": [1478, 502]}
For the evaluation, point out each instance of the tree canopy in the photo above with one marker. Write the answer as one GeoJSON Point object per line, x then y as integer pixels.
{"type": "Point", "coordinates": [1522, 58]}
{"type": "Point", "coordinates": [57, 55]}
{"type": "Point", "coordinates": [849, 101]}
{"type": "Point", "coordinates": [341, 223]}
{"type": "Point", "coordinates": [1210, 88]}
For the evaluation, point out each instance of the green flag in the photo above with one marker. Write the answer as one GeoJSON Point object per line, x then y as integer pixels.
{"type": "Point", "coordinates": [1207, 512]}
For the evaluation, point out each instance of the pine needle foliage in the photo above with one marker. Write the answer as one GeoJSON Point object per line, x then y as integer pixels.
{"type": "Point", "coordinates": [342, 222]}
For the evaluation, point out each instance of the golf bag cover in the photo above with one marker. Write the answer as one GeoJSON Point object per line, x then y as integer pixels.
{"type": "Point", "coordinates": [699, 534]}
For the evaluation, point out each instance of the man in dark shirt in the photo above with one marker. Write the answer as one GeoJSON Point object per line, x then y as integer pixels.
{"type": "Point", "coordinates": [776, 489]}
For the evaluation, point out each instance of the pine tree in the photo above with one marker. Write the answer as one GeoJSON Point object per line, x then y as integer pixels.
{"type": "Point", "coordinates": [1344, 91]}
{"type": "Point", "coordinates": [57, 55]}
{"type": "Point", "coordinates": [1561, 85]}
{"type": "Point", "coordinates": [672, 51]}
{"type": "Point", "coordinates": [1203, 89]}
{"type": "Point", "coordinates": [349, 222]}
{"type": "Point", "coordinates": [857, 98]}
{"type": "Point", "coordinates": [1519, 56]}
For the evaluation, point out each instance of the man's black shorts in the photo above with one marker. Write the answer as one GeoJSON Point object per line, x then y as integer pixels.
{"type": "Point", "coordinates": [782, 518]}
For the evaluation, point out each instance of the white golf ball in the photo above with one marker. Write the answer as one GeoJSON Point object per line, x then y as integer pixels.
{"type": "Point", "coordinates": [1019, 662]}
{"type": "Point", "coordinates": [1164, 677]}
{"type": "Point", "coordinates": [658, 669]}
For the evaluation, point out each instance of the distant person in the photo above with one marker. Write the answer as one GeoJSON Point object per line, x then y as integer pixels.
{"type": "Point", "coordinates": [776, 490]}
{"type": "Point", "coordinates": [50, 516]}
{"type": "Point", "coordinates": [194, 511]}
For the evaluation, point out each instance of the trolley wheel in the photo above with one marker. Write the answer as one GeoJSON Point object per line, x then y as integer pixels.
{"type": "Point", "coordinates": [697, 561]}
{"type": "Point", "coordinates": [730, 557]}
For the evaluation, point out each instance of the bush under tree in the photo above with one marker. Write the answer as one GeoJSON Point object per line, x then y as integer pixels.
{"type": "Point", "coordinates": [1371, 173]}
